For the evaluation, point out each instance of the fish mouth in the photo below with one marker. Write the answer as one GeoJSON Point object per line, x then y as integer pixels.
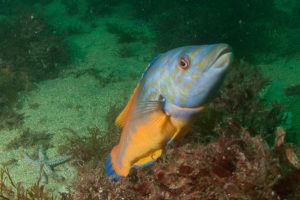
{"type": "Point", "coordinates": [223, 59]}
{"type": "Point", "coordinates": [194, 108]}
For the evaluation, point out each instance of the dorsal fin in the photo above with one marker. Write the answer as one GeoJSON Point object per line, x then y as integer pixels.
{"type": "Point", "coordinates": [121, 119]}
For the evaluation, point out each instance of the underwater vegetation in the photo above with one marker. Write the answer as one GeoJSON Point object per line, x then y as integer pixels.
{"type": "Point", "coordinates": [28, 138]}
{"type": "Point", "coordinates": [8, 101]}
{"type": "Point", "coordinates": [103, 80]}
{"type": "Point", "coordinates": [30, 52]}
{"type": "Point", "coordinates": [293, 90]}
{"type": "Point", "coordinates": [12, 7]}
{"type": "Point", "coordinates": [94, 8]}
{"type": "Point", "coordinates": [234, 166]}
{"type": "Point", "coordinates": [30, 41]}
{"type": "Point", "coordinates": [240, 99]}
{"type": "Point", "coordinates": [71, 6]}
{"type": "Point", "coordinates": [126, 35]}
{"type": "Point", "coordinates": [90, 149]}
{"type": "Point", "coordinates": [11, 190]}
{"type": "Point", "coordinates": [248, 26]}
{"type": "Point", "coordinates": [225, 155]}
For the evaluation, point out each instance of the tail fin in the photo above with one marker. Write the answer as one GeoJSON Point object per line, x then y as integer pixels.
{"type": "Point", "coordinates": [110, 171]}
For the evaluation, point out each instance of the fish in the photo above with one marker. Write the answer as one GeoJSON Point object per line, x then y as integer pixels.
{"type": "Point", "coordinates": [173, 90]}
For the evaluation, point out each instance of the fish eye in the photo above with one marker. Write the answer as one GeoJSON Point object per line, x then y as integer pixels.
{"type": "Point", "coordinates": [183, 62]}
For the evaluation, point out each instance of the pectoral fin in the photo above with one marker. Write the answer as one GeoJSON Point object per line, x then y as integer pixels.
{"type": "Point", "coordinates": [122, 118]}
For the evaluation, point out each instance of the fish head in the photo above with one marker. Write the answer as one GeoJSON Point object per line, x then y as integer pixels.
{"type": "Point", "coordinates": [192, 75]}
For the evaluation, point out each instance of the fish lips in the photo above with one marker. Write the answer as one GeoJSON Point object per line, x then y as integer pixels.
{"type": "Point", "coordinates": [223, 59]}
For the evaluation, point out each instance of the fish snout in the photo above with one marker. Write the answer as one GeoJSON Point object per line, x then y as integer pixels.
{"type": "Point", "coordinates": [224, 57]}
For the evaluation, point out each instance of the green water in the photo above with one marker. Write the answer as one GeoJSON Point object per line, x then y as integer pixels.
{"type": "Point", "coordinates": [66, 65]}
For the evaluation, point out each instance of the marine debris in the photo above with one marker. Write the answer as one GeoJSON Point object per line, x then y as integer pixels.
{"type": "Point", "coordinates": [47, 165]}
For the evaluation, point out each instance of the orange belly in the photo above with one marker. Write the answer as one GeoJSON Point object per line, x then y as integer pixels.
{"type": "Point", "coordinates": [149, 135]}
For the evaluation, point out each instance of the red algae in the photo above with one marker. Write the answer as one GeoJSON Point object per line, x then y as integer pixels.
{"type": "Point", "coordinates": [235, 166]}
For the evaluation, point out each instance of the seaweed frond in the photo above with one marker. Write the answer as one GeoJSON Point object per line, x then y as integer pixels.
{"type": "Point", "coordinates": [235, 166]}
{"type": "Point", "coordinates": [92, 148]}
{"type": "Point", "coordinates": [31, 51]}
{"type": "Point", "coordinates": [11, 190]}
{"type": "Point", "coordinates": [29, 138]}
